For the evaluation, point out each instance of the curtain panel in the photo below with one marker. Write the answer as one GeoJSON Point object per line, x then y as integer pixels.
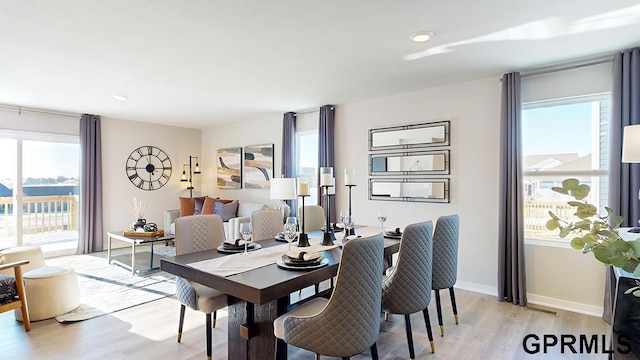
{"type": "Point", "coordinates": [289, 153]}
{"type": "Point", "coordinates": [326, 153]}
{"type": "Point", "coordinates": [511, 261]}
{"type": "Point", "coordinates": [90, 232]}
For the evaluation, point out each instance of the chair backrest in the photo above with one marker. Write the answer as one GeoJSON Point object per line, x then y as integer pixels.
{"type": "Point", "coordinates": [198, 233]}
{"type": "Point", "coordinates": [408, 289]}
{"type": "Point", "coordinates": [445, 252]}
{"type": "Point", "coordinates": [266, 224]}
{"type": "Point", "coordinates": [314, 218]}
{"type": "Point", "coordinates": [350, 322]}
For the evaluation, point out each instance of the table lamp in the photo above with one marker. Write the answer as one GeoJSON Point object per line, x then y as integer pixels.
{"type": "Point", "coordinates": [283, 189]}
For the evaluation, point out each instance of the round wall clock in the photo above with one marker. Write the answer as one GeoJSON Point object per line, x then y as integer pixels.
{"type": "Point", "coordinates": [148, 168]}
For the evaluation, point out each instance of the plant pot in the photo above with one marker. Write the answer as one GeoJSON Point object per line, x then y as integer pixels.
{"type": "Point", "coordinates": [139, 224]}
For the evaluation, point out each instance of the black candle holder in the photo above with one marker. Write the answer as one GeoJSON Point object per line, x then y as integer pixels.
{"type": "Point", "coordinates": [329, 237]}
{"type": "Point", "coordinates": [351, 231]}
{"type": "Point", "coordinates": [303, 238]}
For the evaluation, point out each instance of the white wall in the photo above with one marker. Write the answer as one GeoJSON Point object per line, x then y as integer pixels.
{"type": "Point", "coordinates": [559, 277]}
{"type": "Point", "coordinates": [119, 139]}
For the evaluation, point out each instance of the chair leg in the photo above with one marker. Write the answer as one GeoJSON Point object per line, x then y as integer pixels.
{"type": "Point", "coordinates": [209, 334]}
{"type": "Point", "coordinates": [453, 304]}
{"type": "Point", "coordinates": [374, 352]}
{"type": "Point", "coordinates": [427, 323]}
{"type": "Point", "coordinates": [407, 322]}
{"type": "Point", "coordinates": [215, 315]}
{"type": "Point", "coordinates": [439, 310]}
{"type": "Point", "coordinates": [23, 298]}
{"type": "Point", "coordinates": [180, 322]}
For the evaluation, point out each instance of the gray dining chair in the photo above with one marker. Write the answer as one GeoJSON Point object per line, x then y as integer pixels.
{"type": "Point", "coordinates": [445, 262]}
{"type": "Point", "coordinates": [407, 289]}
{"type": "Point", "coordinates": [266, 224]}
{"type": "Point", "coordinates": [349, 322]}
{"type": "Point", "coordinates": [199, 233]}
{"type": "Point", "coordinates": [314, 218]}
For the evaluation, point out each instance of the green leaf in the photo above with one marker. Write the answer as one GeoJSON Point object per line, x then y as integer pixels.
{"type": "Point", "coordinates": [635, 246]}
{"type": "Point", "coordinates": [631, 265]}
{"type": "Point", "coordinates": [560, 190]}
{"type": "Point", "coordinates": [581, 192]}
{"type": "Point", "coordinates": [618, 220]}
{"type": "Point", "coordinates": [622, 245]}
{"type": "Point", "coordinates": [590, 238]}
{"type": "Point", "coordinates": [610, 210]}
{"type": "Point", "coordinates": [577, 243]}
{"type": "Point", "coordinates": [602, 255]}
{"type": "Point", "coordinates": [618, 261]}
{"type": "Point", "coordinates": [564, 232]}
{"type": "Point", "coordinates": [553, 216]}
{"type": "Point", "coordinates": [553, 224]}
{"type": "Point", "coordinates": [586, 211]}
{"type": "Point", "coordinates": [637, 273]}
{"type": "Point", "coordinates": [570, 184]}
{"type": "Point", "coordinates": [575, 203]}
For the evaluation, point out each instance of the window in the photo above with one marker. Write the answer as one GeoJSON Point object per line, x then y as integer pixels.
{"type": "Point", "coordinates": [307, 161]}
{"type": "Point", "coordinates": [562, 138]}
{"type": "Point", "coordinates": [39, 190]}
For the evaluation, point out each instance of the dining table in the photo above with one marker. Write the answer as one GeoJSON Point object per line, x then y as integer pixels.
{"type": "Point", "coordinates": [257, 296]}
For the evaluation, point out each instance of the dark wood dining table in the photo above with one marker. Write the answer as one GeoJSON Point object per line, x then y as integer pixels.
{"type": "Point", "coordinates": [257, 297]}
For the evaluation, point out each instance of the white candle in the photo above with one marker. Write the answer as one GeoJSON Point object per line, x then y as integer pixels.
{"type": "Point", "coordinates": [303, 188]}
{"type": "Point", "coordinates": [349, 177]}
{"type": "Point", "coordinates": [331, 190]}
{"type": "Point", "coordinates": [325, 180]}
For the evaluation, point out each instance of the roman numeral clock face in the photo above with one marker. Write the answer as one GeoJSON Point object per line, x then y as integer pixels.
{"type": "Point", "coordinates": [148, 168]}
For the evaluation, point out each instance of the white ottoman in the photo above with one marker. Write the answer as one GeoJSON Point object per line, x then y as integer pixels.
{"type": "Point", "coordinates": [51, 291]}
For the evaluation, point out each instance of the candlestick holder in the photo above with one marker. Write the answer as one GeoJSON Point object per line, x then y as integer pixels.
{"type": "Point", "coordinates": [328, 237]}
{"type": "Point", "coordinates": [303, 239]}
{"type": "Point", "coordinates": [351, 231]}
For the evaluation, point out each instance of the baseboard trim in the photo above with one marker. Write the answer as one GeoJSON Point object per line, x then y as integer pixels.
{"type": "Point", "coordinates": [540, 300]}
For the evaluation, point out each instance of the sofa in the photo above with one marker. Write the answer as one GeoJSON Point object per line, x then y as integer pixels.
{"type": "Point", "coordinates": [233, 213]}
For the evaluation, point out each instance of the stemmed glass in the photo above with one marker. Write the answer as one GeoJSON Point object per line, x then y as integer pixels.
{"type": "Point", "coordinates": [348, 224]}
{"type": "Point", "coordinates": [245, 233]}
{"type": "Point", "coordinates": [291, 230]}
{"type": "Point", "coordinates": [382, 217]}
{"type": "Point", "coordinates": [341, 224]}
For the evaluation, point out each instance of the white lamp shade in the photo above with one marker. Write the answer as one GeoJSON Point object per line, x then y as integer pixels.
{"type": "Point", "coordinates": [631, 144]}
{"type": "Point", "coordinates": [283, 188]}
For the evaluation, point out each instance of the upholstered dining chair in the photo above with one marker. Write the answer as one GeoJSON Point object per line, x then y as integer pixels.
{"type": "Point", "coordinates": [314, 218]}
{"type": "Point", "coordinates": [349, 322]}
{"type": "Point", "coordinates": [407, 289]}
{"type": "Point", "coordinates": [445, 262]}
{"type": "Point", "coordinates": [266, 224]}
{"type": "Point", "coordinates": [198, 233]}
{"type": "Point", "coordinates": [12, 294]}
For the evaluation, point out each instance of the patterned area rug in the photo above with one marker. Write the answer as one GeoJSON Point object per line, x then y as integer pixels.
{"type": "Point", "coordinates": [106, 288]}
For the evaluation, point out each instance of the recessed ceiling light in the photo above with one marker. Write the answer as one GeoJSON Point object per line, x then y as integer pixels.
{"type": "Point", "coordinates": [421, 36]}
{"type": "Point", "coordinates": [121, 97]}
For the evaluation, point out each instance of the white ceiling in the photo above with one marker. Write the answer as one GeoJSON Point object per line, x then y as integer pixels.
{"type": "Point", "coordinates": [200, 63]}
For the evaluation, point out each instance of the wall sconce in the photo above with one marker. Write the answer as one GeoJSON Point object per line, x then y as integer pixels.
{"type": "Point", "coordinates": [192, 170]}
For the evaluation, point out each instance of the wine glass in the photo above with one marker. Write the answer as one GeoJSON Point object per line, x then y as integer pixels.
{"type": "Point", "coordinates": [343, 213]}
{"type": "Point", "coordinates": [348, 224]}
{"type": "Point", "coordinates": [245, 233]}
{"type": "Point", "coordinates": [382, 217]}
{"type": "Point", "coordinates": [291, 230]}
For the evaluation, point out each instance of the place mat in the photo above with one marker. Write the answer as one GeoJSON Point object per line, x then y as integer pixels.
{"type": "Point", "coordinates": [238, 263]}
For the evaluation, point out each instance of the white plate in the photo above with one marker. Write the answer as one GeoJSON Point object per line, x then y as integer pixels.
{"type": "Point", "coordinates": [283, 265]}
{"type": "Point", "coordinates": [235, 251]}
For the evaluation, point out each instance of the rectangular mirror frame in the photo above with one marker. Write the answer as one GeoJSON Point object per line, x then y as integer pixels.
{"type": "Point", "coordinates": [443, 181]}
{"type": "Point", "coordinates": [410, 128]}
{"type": "Point", "coordinates": [373, 165]}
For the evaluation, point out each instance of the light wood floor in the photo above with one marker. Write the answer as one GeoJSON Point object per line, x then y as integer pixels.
{"type": "Point", "coordinates": [488, 329]}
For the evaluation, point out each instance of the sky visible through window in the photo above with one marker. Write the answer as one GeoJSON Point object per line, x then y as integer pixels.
{"type": "Point", "coordinates": [557, 129]}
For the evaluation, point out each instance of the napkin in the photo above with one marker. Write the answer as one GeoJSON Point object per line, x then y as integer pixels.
{"type": "Point", "coordinates": [234, 243]}
{"type": "Point", "coordinates": [301, 255]}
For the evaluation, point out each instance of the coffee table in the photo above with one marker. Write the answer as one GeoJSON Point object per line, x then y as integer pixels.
{"type": "Point", "coordinates": [136, 261]}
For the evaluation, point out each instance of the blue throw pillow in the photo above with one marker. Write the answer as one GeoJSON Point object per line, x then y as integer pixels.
{"type": "Point", "coordinates": [226, 211]}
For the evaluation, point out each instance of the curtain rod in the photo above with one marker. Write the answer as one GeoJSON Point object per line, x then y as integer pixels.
{"type": "Point", "coordinates": [310, 111]}
{"type": "Point", "coordinates": [20, 109]}
{"type": "Point", "coordinates": [571, 66]}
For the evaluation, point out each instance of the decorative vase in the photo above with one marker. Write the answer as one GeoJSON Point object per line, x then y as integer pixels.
{"type": "Point", "coordinates": [140, 223]}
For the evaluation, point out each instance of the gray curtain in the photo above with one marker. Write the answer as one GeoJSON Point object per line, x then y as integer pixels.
{"type": "Point", "coordinates": [511, 265]}
{"type": "Point", "coordinates": [624, 179]}
{"type": "Point", "coordinates": [90, 234]}
{"type": "Point", "coordinates": [289, 153]}
{"type": "Point", "coordinates": [326, 152]}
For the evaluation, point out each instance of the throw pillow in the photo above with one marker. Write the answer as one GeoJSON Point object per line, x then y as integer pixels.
{"type": "Point", "coordinates": [226, 211]}
{"type": "Point", "coordinates": [188, 205]}
{"type": "Point", "coordinates": [207, 207]}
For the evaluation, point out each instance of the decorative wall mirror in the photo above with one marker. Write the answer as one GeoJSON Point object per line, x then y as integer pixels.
{"type": "Point", "coordinates": [410, 136]}
{"type": "Point", "coordinates": [418, 190]}
{"type": "Point", "coordinates": [413, 163]}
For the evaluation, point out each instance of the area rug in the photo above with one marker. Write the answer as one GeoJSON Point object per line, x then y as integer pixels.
{"type": "Point", "coordinates": [106, 288]}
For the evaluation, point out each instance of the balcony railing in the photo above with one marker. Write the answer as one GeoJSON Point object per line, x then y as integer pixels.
{"type": "Point", "coordinates": [40, 214]}
{"type": "Point", "coordinates": [536, 215]}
